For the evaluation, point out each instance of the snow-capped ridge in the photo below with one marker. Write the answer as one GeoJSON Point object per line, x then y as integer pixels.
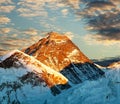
{"type": "Point", "coordinates": [114, 65]}
{"type": "Point", "coordinates": [8, 54]}
{"type": "Point", "coordinates": [18, 58]}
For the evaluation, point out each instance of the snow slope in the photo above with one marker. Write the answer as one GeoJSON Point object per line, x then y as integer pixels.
{"type": "Point", "coordinates": [23, 79]}
{"type": "Point", "coordinates": [13, 90]}
{"type": "Point", "coordinates": [102, 91]}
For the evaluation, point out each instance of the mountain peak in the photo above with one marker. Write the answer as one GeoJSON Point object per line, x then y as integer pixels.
{"type": "Point", "coordinates": [56, 51]}
{"type": "Point", "coordinates": [57, 37]}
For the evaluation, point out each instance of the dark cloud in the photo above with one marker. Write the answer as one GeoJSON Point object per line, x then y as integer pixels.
{"type": "Point", "coordinates": [110, 33]}
{"type": "Point", "coordinates": [99, 4]}
{"type": "Point", "coordinates": [102, 17]}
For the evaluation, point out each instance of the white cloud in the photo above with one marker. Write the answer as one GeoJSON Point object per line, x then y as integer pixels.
{"type": "Point", "coordinates": [31, 31]}
{"type": "Point", "coordinates": [32, 8]}
{"type": "Point", "coordinates": [4, 30]}
{"type": "Point", "coordinates": [64, 12]}
{"type": "Point", "coordinates": [4, 20]}
{"type": "Point", "coordinates": [6, 9]}
{"type": "Point", "coordinates": [69, 35]}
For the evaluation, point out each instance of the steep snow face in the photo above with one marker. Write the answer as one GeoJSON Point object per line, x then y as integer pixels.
{"type": "Point", "coordinates": [18, 59]}
{"type": "Point", "coordinates": [56, 51]}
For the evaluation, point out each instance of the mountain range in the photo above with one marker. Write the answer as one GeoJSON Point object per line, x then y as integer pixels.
{"type": "Point", "coordinates": [54, 63]}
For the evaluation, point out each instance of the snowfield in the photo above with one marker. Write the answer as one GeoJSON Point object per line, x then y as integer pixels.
{"type": "Point", "coordinates": [21, 86]}
{"type": "Point", "coordinates": [105, 90]}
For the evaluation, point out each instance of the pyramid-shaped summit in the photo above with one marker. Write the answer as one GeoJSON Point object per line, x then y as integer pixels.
{"type": "Point", "coordinates": [56, 51]}
{"type": "Point", "coordinates": [59, 53]}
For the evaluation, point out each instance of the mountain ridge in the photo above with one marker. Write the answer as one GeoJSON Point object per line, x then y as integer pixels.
{"type": "Point", "coordinates": [18, 59]}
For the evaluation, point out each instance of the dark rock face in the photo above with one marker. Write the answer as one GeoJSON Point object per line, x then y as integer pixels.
{"type": "Point", "coordinates": [11, 61]}
{"type": "Point", "coordinates": [77, 73]}
{"type": "Point", "coordinates": [59, 88]}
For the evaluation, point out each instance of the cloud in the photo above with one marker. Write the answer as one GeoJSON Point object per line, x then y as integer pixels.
{"type": "Point", "coordinates": [8, 43]}
{"type": "Point", "coordinates": [4, 30]}
{"type": "Point", "coordinates": [64, 12]}
{"type": "Point", "coordinates": [99, 6]}
{"type": "Point", "coordinates": [4, 20]}
{"type": "Point", "coordinates": [6, 9]}
{"type": "Point", "coordinates": [6, 2]}
{"type": "Point", "coordinates": [31, 12]}
{"type": "Point", "coordinates": [32, 8]}
{"type": "Point", "coordinates": [73, 3]}
{"type": "Point", "coordinates": [103, 18]}
{"type": "Point", "coordinates": [69, 35]}
{"type": "Point", "coordinates": [31, 31]}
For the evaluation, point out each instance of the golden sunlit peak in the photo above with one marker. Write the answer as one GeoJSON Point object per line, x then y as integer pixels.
{"type": "Point", "coordinates": [57, 36]}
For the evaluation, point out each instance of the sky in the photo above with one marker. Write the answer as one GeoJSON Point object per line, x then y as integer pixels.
{"type": "Point", "coordinates": [93, 25]}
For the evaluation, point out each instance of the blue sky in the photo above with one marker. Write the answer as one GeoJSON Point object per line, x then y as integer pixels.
{"type": "Point", "coordinates": [93, 25]}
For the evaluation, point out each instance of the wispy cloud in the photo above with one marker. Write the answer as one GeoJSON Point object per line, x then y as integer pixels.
{"type": "Point", "coordinates": [4, 20]}
{"type": "Point", "coordinates": [4, 30]}
{"type": "Point", "coordinates": [73, 3]}
{"type": "Point", "coordinates": [6, 6]}
{"type": "Point", "coordinates": [64, 12]}
{"type": "Point", "coordinates": [69, 35]}
{"type": "Point", "coordinates": [31, 31]}
{"type": "Point", "coordinates": [6, 9]}
{"type": "Point", "coordinates": [6, 2]}
{"type": "Point", "coordinates": [32, 8]}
